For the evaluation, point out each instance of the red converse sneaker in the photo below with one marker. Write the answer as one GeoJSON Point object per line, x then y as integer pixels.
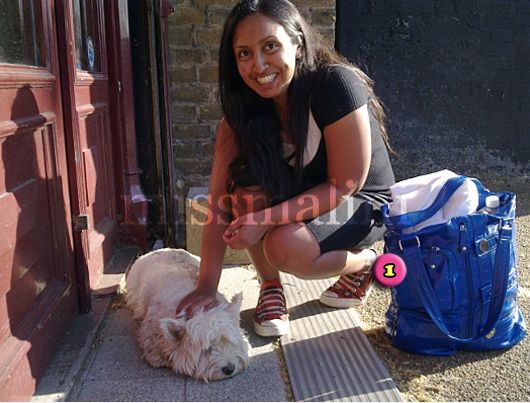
{"type": "Point", "coordinates": [349, 290]}
{"type": "Point", "coordinates": [270, 316]}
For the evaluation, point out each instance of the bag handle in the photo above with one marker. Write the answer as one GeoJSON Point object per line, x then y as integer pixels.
{"type": "Point", "coordinates": [448, 189]}
{"type": "Point", "coordinates": [420, 281]}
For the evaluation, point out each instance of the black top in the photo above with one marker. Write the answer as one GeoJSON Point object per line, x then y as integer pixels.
{"type": "Point", "coordinates": [340, 92]}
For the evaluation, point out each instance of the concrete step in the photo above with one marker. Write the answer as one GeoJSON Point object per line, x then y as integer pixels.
{"type": "Point", "coordinates": [328, 356]}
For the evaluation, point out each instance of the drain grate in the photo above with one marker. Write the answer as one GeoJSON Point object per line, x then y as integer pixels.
{"type": "Point", "coordinates": [328, 356]}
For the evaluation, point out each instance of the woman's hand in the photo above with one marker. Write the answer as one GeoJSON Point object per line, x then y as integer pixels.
{"type": "Point", "coordinates": [245, 231]}
{"type": "Point", "coordinates": [196, 300]}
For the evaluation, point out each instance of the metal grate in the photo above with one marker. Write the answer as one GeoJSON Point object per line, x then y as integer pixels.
{"type": "Point", "coordinates": [328, 356]}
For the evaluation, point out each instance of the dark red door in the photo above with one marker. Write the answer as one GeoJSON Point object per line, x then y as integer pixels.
{"type": "Point", "coordinates": [95, 138]}
{"type": "Point", "coordinates": [91, 139]}
{"type": "Point", "coordinates": [37, 298]}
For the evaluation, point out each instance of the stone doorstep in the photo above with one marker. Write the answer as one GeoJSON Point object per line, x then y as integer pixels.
{"type": "Point", "coordinates": [113, 278]}
{"type": "Point", "coordinates": [196, 215]}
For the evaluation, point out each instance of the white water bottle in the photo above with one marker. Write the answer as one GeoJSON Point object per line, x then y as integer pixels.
{"type": "Point", "coordinates": [492, 204]}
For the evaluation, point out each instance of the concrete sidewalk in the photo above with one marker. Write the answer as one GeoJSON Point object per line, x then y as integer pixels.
{"type": "Point", "coordinates": [109, 365]}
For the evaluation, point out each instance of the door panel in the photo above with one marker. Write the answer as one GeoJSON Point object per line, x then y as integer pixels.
{"type": "Point", "coordinates": [91, 98]}
{"type": "Point", "coordinates": [98, 176]}
{"type": "Point", "coordinates": [37, 297]}
{"type": "Point", "coordinates": [28, 194]}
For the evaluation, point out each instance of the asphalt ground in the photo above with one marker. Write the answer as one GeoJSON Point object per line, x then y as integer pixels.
{"type": "Point", "coordinates": [467, 376]}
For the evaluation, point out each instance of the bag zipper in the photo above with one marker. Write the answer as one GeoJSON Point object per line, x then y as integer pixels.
{"type": "Point", "coordinates": [463, 248]}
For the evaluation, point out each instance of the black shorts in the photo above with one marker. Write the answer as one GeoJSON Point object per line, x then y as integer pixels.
{"type": "Point", "coordinates": [355, 224]}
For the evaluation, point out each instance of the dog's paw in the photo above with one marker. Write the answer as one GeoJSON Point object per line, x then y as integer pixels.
{"type": "Point", "coordinates": [153, 358]}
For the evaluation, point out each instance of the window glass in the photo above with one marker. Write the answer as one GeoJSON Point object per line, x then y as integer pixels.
{"type": "Point", "coordinates": [22, 38]}
{"type": "Point", "coordinates": [86, 25]}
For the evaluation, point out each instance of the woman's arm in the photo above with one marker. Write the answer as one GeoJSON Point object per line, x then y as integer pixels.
{"type": "Point", "coordinates": [348, 147]}
{"type": "Point", "coordinates": [218, 217]}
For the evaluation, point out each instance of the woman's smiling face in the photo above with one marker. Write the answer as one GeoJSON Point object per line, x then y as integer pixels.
{"type": "Point", "coordinates": [265, 56]}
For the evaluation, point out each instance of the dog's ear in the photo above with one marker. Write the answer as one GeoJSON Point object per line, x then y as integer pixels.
{"type": "Point", "coordinates": [172, 329]}
{"type": "Point", "coordinates": [235, 305]}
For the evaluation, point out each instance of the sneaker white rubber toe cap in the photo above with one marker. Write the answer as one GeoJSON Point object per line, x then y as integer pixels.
{"type": "Point", "coordinates": [272, 328]}
{"type": "Point", "coordinates": [330, 298]}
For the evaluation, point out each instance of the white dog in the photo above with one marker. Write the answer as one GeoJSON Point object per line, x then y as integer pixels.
{"type": "Point", "coordinates": [208, 346]}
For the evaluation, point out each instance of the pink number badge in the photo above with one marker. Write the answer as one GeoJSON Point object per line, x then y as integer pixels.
{"type": "Point", "coordinates": [389, 270]}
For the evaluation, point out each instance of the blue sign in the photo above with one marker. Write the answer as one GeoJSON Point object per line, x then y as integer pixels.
{"type": "Point", "coordinates": [91, 54]}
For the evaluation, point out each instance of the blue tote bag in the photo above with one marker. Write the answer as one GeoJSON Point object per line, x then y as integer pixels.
{"type": "Point", "coordinates": [460, 292]}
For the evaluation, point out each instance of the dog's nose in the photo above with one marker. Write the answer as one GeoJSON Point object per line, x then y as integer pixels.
{"type": "Point", "coordinates": [229, 369]}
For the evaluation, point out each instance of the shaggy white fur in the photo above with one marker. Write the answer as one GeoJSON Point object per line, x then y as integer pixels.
{"type": "Point", "coordinates": [208, 346]}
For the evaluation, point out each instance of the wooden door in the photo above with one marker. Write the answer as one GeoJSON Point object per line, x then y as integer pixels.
{"type": "Point", "coordinates": [37, 298]}
{"type": "Point", "coordinates": [88, 100]}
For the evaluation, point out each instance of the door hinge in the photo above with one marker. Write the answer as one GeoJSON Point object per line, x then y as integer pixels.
{"type": "Point", "coordinates": [80, 222]}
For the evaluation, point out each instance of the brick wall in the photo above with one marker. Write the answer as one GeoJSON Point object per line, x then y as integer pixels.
{"type": "Point", "coordinates": [194, 33]}
{"type": "Point", "coordinates": [455, 77]}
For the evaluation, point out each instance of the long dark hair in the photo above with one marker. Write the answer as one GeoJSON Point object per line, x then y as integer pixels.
{"type": "Point", "coordinates": [254, 119]}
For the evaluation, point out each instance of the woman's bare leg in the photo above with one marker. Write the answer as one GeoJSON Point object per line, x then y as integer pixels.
{"type": "Point", "coordinates": [293, 248]}
{"type": "Point", "coordinates": [270, 316]}
{"type": "Point", "coordinates": [245, 200]}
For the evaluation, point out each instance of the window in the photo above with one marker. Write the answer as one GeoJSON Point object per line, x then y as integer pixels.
{"type": "Point", "coordinates": [87, 40]}
{"type": "Point", "coordinates": [22, 38]}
